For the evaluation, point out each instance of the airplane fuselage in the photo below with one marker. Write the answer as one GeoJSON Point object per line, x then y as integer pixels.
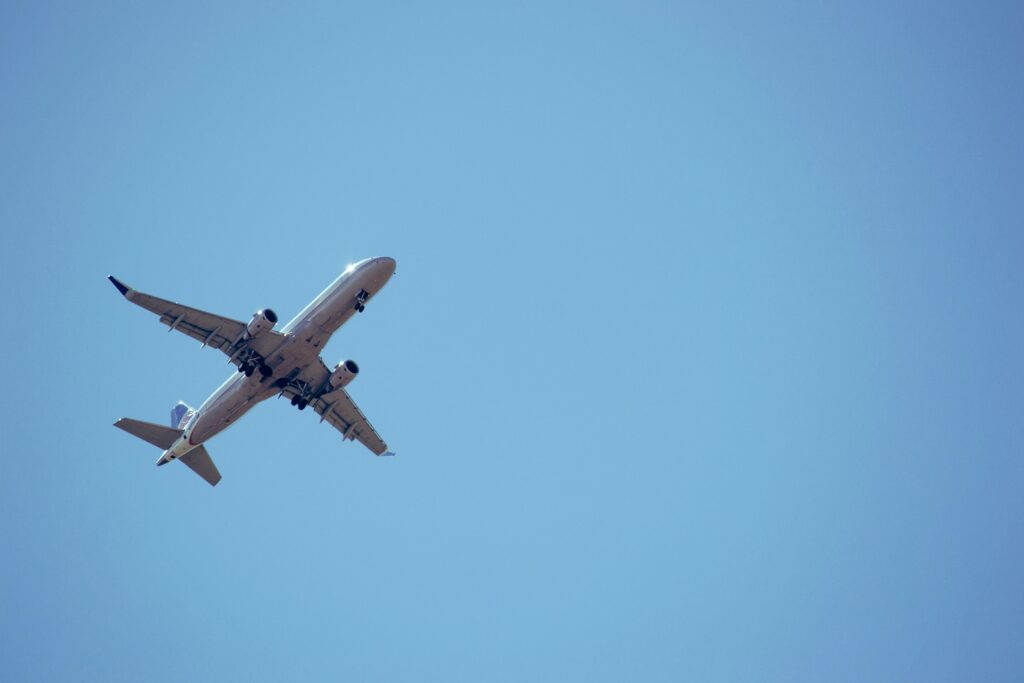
{"type": "Point", "coordinates": [304, 339]}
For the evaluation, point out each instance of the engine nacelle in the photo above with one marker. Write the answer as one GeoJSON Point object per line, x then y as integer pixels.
{"type": "Point", "coordinates": [344, 373]}
{"type": "Point", "coordinates": [261, 322]}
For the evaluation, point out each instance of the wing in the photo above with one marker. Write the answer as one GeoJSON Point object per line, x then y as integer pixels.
{"type": "Point", "coordinates": [338, 409]}
{"type": "Point", "coordinates": [212, 330]}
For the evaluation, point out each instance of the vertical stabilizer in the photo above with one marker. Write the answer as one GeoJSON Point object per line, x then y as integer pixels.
{"type": "Point", "coordinates": [180, 414]}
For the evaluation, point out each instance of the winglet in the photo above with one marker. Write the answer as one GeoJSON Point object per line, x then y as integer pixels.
{"type": "Point", "coordinates": [387, 453]}
{"type": "Point", "coordinates": [121, 287]}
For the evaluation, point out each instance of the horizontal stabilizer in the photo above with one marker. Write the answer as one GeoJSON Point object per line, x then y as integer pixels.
{"type": "Point", "coordinates": [158, 435]}
{"type": "Point", "coordinates": [200, 462]}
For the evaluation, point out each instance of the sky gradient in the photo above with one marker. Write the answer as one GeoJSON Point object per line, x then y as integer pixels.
{"type": "Point", "coordinates": [703, 359]}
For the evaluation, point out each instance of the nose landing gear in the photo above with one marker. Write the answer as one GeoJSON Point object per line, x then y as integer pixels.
{"type": "Point", "coordinates": [361, 299]}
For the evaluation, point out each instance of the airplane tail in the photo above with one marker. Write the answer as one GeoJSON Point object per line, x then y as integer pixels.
{"type": "Point", "coordinates": [180, 414]}
{"type": "Point", "coordinates": [198, 459]}
{"type": "Point", "coordinates": [158, 435]}
{"type": "Point", "coordinates": [200, 462]}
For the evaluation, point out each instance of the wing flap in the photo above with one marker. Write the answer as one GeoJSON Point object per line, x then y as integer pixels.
{"type": "Point", "coordinates": [212, 333]}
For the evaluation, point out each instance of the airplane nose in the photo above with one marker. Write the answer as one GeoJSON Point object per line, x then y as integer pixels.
{"type": "Point", "coordinates": [386, 262]}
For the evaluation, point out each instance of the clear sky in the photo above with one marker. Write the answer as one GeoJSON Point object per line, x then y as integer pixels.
{"type": "Point", "coordinates": [703, 360]}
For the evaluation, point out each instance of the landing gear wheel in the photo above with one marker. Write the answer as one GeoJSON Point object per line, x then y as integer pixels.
{"type": "Point", "coordinates": [241, 368]}
{"type": "Point", "coordinates": [295, 400]}
{"type": "Point", "coordinates": [361, 299]}
{"type": "Point", "coordinates": [249, 370]}
{"type": "Point", "coordinates": [265, 370]}
{"type": "Point", "coordinates": [302, 405]}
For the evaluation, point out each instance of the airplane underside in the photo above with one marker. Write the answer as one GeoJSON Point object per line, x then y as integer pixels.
{"type": "Point", "coordinates": [268, 362]}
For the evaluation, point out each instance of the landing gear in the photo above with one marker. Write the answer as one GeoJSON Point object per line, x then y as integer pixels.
{"type": "Point", "coordinates": [361, 299]}
{"type": "Point", "coordinates": [302, 392]}
{"type": "Point", "coordinates": [251, 361]}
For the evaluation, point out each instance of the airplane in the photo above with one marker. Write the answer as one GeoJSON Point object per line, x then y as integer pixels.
{"type": "Point", "coordinates": [285, 363]}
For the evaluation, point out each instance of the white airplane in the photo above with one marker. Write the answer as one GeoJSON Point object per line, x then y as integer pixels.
{"type": "Point", "coordinates": [269, 362]}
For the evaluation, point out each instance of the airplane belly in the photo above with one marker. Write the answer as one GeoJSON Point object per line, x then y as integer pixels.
{"type": "Point", "coordinates": [336, 304]}
{"type": "Point", "coordinates": [338, 308]}
{"type": "Point", "coordinates": [225, 410]}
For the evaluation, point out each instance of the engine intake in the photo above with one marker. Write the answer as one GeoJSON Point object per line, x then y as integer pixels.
{"type": "Point", "coordinates": [344, 373]}
{"type": "Point", "coordinates": [262, 321]}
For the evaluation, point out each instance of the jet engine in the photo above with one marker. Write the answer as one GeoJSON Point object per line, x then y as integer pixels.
{"type": "Point", "coordinates": [261, 322]}
{"type": "Point", "coordinates": [343, 374]}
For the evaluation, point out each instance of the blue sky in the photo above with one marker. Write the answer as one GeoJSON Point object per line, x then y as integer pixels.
{"type": "Point", "coordinates": [703, 360]}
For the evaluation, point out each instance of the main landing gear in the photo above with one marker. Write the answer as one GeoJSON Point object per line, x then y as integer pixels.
{"type": "Point", "coordinates": [361, 299]}
{"type": "Point", "coordinates": [303, 392]}
{"type": "Point", "coordinates": [249, 368]}
{"type": "Point", "coordinates": [249, 362]}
